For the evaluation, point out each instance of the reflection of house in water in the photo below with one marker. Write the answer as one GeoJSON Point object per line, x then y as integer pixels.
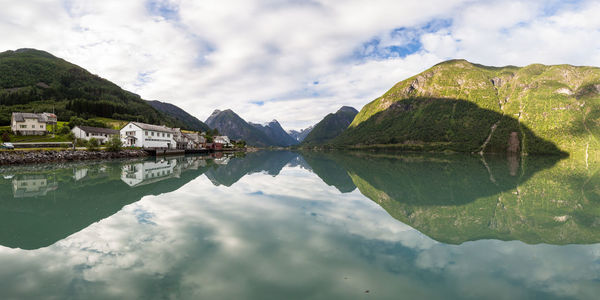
{"type": "Point", "coordinates": [153, 171]}
{"type": "Point", "coordinates": [149, 172]}
{"type": "Point", "coordinates": [222, 160]}
{"type": "Point", "coordinates": [79, 174]}
{"type": "Point", "coordinates": [33, 185]}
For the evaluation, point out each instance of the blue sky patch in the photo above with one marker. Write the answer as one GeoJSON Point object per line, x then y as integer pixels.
{"type": "Point", "coordinates": [164, 9]}
{"type": "Point", "coordinates": [399, 42]}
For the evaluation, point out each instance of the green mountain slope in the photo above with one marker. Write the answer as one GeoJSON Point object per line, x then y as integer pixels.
{"type": "Point", "coordinates": [331, 126]}
{"type": "Point", "coordinates": [35, 81]}
{"type": "Point", "coordinates": [179, 114]}
{"type": "Point", "coordinates": [459, 105]}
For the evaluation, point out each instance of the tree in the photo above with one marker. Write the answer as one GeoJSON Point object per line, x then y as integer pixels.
{"type": "Point", "coordinates": [76, 121]}
{"type": "Point", "coordinates": [93, 144]}
{"type": "Point", "coordinates": [114, 144]}
{"type": "Point", "coordinates": [64, 130]}
{"type": "Point", "coordinates": [6, 137]}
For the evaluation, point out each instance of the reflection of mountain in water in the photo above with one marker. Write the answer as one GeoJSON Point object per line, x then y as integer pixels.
{"type": "Point", "coordinates": [454, 199]}
{"type": "Point", "coordinates": [255, 162]}
{"type": "Point", "coordinates": [323, 164]}
{"type": "Point", "coordinates": [39, 208]}
{"type": "Point", "coordinates": [450, 198]}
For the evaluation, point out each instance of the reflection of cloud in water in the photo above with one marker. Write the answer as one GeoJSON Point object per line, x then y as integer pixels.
{"type": "Point", "coordinates": [255, 240]}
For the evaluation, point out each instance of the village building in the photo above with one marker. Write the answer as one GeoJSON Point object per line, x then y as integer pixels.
{"type": "Point", "coordinates": [223, 140]}
{"type": "Point", "coordinates": [182, 140]}
{"type": "Point", "coordinates": [87, 133]}
{"type": "Point", "coordinates": [32, 124]}
{"type": "Point", "coordinates": [141, 135]}
{"type": "Point", "coordinates": [199, 141]}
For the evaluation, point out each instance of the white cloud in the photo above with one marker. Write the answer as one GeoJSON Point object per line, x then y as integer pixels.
{"type": "Point", "coordinates": [231, 54]}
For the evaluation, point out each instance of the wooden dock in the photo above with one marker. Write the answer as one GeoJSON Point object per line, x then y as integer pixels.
{"type": "Point", "coordinates": [196, 151]}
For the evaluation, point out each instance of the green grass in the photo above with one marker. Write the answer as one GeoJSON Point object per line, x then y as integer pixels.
{"type": "Point", "coordinates": [39, 139]}
{"type": "Point", "coordinates": [112, 123]}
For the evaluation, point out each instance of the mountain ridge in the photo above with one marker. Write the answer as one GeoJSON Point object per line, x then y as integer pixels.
{"type": "Point", "coordinates": [551, 102]}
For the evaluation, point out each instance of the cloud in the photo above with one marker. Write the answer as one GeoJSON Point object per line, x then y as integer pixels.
{"type": "Point", "coordinates": [261, 58]}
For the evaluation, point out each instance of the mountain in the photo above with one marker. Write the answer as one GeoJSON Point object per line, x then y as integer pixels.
{"type": "Point", "coordinates": [179, 114]}
{"type": "Point", "coordinates": [35, 81]}
{"type": "Point", "coordinates": [275, 132]}
{"type": "Point", "coordinates": [230, 124]}
{"type": "Point", "coordinates": [300, 135]}
{"type": "Point", "coordinates": [331, 126]}
{"type": "Point", "coordinates": [461, 106]}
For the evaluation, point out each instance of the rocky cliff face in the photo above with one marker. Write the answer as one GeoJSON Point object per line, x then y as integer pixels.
{"type": "Point", "coordinates": [459, 105]}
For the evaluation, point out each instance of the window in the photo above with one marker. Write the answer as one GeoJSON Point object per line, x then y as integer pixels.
{"type": "Point", "coordinates": [153, 133]}
{"type": "Point", "coordinates": [23, 126]}
{"type": "Point", "coordinates": [146, 132]}
{"type": "Point", "coordinates": [42, 126]}
{"type": "Point", "coordinates": [87, 134]}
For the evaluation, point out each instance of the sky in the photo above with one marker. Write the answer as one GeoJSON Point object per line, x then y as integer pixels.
{"type": "Point", "coordinates": [293, 60]}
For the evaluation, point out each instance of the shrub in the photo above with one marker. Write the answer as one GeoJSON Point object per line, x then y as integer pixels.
{"type": "Point", "coordinates": [6, 137]}
{"type": "Point", "coordinates": [93, 144]}
{"type": "Point", "coordinates": [81, 143]}
{"type": "Point", "coordinates": [64, 130]}
{"type": "Point", "coordinates": [114, 144]}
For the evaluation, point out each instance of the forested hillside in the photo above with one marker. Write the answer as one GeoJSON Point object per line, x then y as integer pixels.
{"type": "Point", "coordinates": [36, 81]}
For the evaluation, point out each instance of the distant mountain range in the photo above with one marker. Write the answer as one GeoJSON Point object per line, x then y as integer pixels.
{"type": "Point", "coordinates": [276, 134]}
{"type": "Point", "coordinates": [268, 135]}
{"type": "Point", "coordinates": [300, 135]}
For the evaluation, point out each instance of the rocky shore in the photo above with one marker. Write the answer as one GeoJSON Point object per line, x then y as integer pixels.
{"type": "Point", "coordinates": [44, 156]}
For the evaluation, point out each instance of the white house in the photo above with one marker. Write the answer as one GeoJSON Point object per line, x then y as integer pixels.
{"type": "Point", "coordinates": [224, 140]}
{"type": "Point", "coordinates": [87, 133]}
{"type": "Point", "coordinates": [148, 172]}
{"type": "Point", "coordinates": [142, 135]}
{"type": "Point", "coordinates": [26, 186]}
{"type": "Point", "coordinates": [31, 124]}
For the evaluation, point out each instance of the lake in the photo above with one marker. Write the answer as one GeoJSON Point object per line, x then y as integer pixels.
{"type": "Point", "coordinates": [309, 225]}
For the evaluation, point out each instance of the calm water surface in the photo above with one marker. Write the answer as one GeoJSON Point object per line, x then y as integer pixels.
{"type": "Point", "coordinates": [284, 225]}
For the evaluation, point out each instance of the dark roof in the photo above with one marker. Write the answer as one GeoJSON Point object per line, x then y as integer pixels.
{"type": "Point", "coordinates": [98, 130]}
{"type": "Point", "coordinates": [20, 117]}
{"type": "Point", "coordinates": [154, 127]}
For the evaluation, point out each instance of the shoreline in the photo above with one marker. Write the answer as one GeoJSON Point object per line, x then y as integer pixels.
{"type": "Point", "coordinates": [48, 156]}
